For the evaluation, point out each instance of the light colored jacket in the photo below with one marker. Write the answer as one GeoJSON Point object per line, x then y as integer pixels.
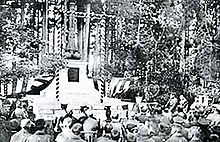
{"type": "Point", "coordinates": [20, 136]}
{"type": "Point", "coordinates": [40, 136]}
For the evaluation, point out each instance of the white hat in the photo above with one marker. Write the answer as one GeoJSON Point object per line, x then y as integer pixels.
{"type": "Point", "coordinates": [26, 123]}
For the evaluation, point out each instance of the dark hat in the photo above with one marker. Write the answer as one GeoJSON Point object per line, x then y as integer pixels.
{"type": "Point", "coordinates": [214, 137]}
{"type": "Point", "coordinates": [115, 134]}
{"type": "Point", "coordinates": [107, 107]}
{"type": "Point", "coordinates": [77, 128]}
{"type": "Point", "coordinates": [40, 123]}
{"type": "Point", "coordinates": [14, 124]}
{"type": "Point", "coordinates": [216, 129]}
{"type": "Point", "coordinates": [108, 128]}
{"type": "Point", "coordinates": [164, 126]}
{"type": "Point", "coordinates": [64, 106]}
{"type": "Point", "coordinates": [82, 108]}
{"type": "Point", "coordinates": [131, 126]}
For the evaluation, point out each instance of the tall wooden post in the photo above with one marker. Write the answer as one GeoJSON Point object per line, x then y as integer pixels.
{"type": "Point", "coordinates": [87, 29]}
{"type": "Point", "coordinates": [65, 26]}
{"type": "Point", "coordinates": [72, 28]}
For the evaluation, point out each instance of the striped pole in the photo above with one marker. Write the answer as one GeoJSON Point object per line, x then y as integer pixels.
{"type": "Point", "coordinates": [102, 57]}
{"type": "Point", "coordinates": [57, 77]}
{"type": "Point", "coordinates": [102, 89]}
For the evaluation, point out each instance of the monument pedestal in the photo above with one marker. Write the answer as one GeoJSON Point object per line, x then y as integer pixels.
{"type": "Point", "coordinates": [75, 89]}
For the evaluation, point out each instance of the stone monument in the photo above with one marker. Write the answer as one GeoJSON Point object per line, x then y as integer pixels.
{"type": "Point", "coordinates": [71, 85]}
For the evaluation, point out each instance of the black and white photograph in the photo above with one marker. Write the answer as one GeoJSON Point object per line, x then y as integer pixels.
{"type": "Point", "coordinates": [109, 70]}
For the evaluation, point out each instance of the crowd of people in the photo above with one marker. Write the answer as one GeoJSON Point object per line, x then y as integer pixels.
{"type": "Point", "coordinates": [172, 123]}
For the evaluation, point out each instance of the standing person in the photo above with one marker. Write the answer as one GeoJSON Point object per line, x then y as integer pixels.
{"type": "Point", "coordinates": [172, 103]}
{"type": "Point", "coordinates": [24, 133]}
{"type": "Point", "coordinates": [20, 111]}
{"type": "Point", "coordinates": [183, 103]}
{"type": "Point", "coordinates": [40, 134]}
{"type": "Point", "coordinates": [67, 134]}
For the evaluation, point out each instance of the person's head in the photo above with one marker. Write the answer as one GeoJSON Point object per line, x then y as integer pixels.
{"type": "Point", "coordinates": [67, 123]}
{"type": "Point", "coordinates": [182, 98]}
{"type": "Point", "coordinates": [108, 128]}
{"type": "Point", "coordinates": [172, 95]}
{"type": "Point", "coordinates": [214, 138]}
{"type": "Point", "coordinates": [131, 127]}
{"type": "Point", "coordinates": [131, 137]}
{"type": "Point", "coordinates": [179, 109]}
{"type": "Point", "coordinates": [176, 128]}
{"type": "Point", "coordinates": [158, 111]}
{"type": "Point", "coordinates": [24, 104]}
{"type": "Point", "coordinates": [26, 124]}
{"type": "Point", "coordinates": [164, 128]}
{"type": "Point", "coordinates": [18, 104]}
{"type": "Point", "coordinates": [40, 124]}
{"type": "Point", "coordinates": [89, 112]}
{"type": "Point", "coordinates": [131, 115]}
{"type": "Point", "coordinates": [115, 134]}
{"type": "Point", "coordinates": [166, 110]}
{"type": "Point", "coordinates": [143, 131]}
{"type": "Point", "coordinates": [77, 128]}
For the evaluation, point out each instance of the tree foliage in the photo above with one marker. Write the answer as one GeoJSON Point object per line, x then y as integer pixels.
{"type": "Point", "coordinates": [21, 49]}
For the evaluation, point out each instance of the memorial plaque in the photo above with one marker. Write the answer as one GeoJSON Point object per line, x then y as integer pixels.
{"type": "Point", "coordinates": [73, 75]}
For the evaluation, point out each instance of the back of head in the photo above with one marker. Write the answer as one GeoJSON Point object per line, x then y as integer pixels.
{"type": "Point", "coordinates": [18, 104]}
{"type": "Point", "coordinates": [26, 123]}
{"type": "Point", "coordinates": [115, 134]}
{"type": "Point", "coordinates": [90, 124]}
{"type": "Point", "coordinates": [40, 124]}
{"type": "Point", "coordinates": [77, 128]}
{"type": "Point", "coordinates": [108, 128]}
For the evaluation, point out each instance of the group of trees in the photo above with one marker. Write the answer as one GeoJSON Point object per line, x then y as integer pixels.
{"type": "Point", "coordinates": [172, 42]}
{"type": "Point", "coordinates": [20, 48]}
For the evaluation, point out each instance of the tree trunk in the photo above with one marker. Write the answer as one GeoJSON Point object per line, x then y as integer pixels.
{"type": "Point", "coordinates": [24, 85]}
{"type": "Point", "coordinates": [14, 85]}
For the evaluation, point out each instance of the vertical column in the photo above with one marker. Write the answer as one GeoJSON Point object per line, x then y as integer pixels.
{"type": "Point", "coordinates": [80, 35]}
{"type": "Point", "coordinates": [72, 28]}
{"type": "Point", "coordinates": [44, 29]}
{"type": "Point", "coordinates": [87, 29]}
{"type": "Point", "coordinates": [50, 15]}
{"type": "Point", "coordinates": [44, 22]}
{"type": "Point", "coordinates": [58, 20]}
{"type": "Point", "coordinates": [65, 26]}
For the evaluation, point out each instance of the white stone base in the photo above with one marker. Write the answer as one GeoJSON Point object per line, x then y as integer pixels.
{"type": "Point", "coordinates": [75, 94]}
